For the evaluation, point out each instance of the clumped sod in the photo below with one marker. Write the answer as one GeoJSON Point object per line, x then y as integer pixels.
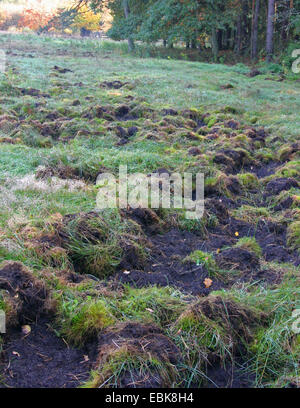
{"type": "Point", "coordinates": [203, 258]}
{"type": "Point", "coordinates": [138, 355]}
{"type": "Point", "coordinates": [97, 244]}
{"type": "Point", "coordinates": [80, 320]}
{"type": "Point", "coordinates": [216, 328]}
{"type": "Point", "coordinates": [248, 180]}
{"type": "Point", "coordinates": [249, 244]}
{"type": "Point", "coordinates": [274, 349]}
{"type": "Point", "coordinates": [127, 368]}
{"type": "Point", "coordinates": [251, 214]}
{"type": "Point", "coordinates": [293, 236]}
{"type": "Point", "coordinates": [161, 306]}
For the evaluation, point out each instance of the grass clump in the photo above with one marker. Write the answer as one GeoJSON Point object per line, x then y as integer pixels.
{"type": "Point", "coordinates": [274, 350]}
{"type": "Point", "coordinates": [214, 329]}
{"type": "Point", "coordinates": [202, 258]}
{"type": "Point", "coordinates": [80, 320]}
{"type": "Point", "coordinates": [249, 244]}
{"type": "Point", "coordinates": [97, 243]}
{"type": "Point", "coordinates": [251, 214]}
{"type": "Point", "coordinates": [293, 236]}
{"type": "Point", "coordinates": [248, 180]}
{"type": "Point", "coordinates": [135, 354]}
{"type": "Point", "coordinates": [125, 367]}
{"type": "Point", "coordinates": [159, 305]}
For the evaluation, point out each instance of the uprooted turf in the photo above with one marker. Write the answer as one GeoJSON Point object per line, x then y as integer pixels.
{"type": "Point", "coordinates": [143, 298]}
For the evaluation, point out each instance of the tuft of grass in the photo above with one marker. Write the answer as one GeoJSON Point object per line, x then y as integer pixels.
{"type": "Point", "coordinates": [293, 235]}
{"type": "Point", "coordinates": [159, 305]}
{"type": "Point", "coordinates": [80, 320]}
{"type": "Point", "coordinates": [203, 258]}
{"type": "Point", "coordinates": [249, 244]}
{"type": "Point", "coordinates": [248, 180]}
{"type": "Point", "coordinates": [127, 364]}
{"type": "Point", "coordinates": [250, 213]}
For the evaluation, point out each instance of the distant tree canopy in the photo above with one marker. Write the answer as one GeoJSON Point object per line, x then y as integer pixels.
{"type": "Point", "coordinates": [245, 26]}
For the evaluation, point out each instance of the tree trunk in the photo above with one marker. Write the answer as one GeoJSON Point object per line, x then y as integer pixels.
{"type": "Point", "coordinates": [214, 44]}
{"type": "Point", "coordinates": [270, 30]}
{"type": "Point", "coordinates": [238, 36]}
{"type": "Point", "coordinates": [254, 50]}
{"type": "Point", "coordinates": [127, 13]}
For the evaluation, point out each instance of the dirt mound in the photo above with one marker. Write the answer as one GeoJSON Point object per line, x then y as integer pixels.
{"type": "Point", "coordinates": [145, 217]}
{"type": "Point", "coordinates": [233, 159]}
{"type": "Point", "coordinates": [61, 70]}
{"type": "Point", "coordinates": [60, 171]}
{"type": "Point", "coordinates": [32, 92]}
{"type": "Point", "coordinates": [229, 313]}
{"type": "Point", "coordinates": [218, 208]}
{"type": "Point", "coordinates": [26, 296]}
{"type": "Point", "coordinates": [237, 258]}
{"type": "Point", "coordinates": [146, 347]}
{"type": "Point", "coordinates": [281, 184]}
{"type": "Point", "coordinates": [113, 84]}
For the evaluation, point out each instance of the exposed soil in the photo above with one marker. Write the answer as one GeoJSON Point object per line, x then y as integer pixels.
{"type": "Point", "coordinates": [42, 360]}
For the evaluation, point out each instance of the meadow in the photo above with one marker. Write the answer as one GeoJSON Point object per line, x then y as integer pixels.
{"type": "Point", "coordinates": [142, 297]}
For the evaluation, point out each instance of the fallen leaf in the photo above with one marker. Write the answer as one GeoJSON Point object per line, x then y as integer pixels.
{"type": "Point", "coordinates": [126, 272]}
{"type": "Point", "coordinates": [149, 310]}
{"type": "Point", "coordinates": [15, 353]}
{"type": "Point", "coordinates": [207, 282]}
{"type": "Point", "coordinates": [26, 329]}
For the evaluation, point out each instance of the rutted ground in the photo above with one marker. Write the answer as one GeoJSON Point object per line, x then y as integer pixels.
{"type": "Point", "coordinates": [140, 297]}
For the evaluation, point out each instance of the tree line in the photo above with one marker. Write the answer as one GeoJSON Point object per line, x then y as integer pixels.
{"type": "Point", "coordinates": [247, 27]}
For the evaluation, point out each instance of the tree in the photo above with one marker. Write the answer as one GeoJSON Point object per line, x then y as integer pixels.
{"type": "Point", "coordinates": [254, 39]}
{"type": "Point", "coordinates": [270, 30]}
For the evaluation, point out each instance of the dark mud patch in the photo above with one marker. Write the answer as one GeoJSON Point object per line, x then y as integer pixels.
{"type": "Point", "coordinates": [266, 277]}
{"type": "Point", "coordinates": [263, 171]}
{"type": "Point", "coordinates": [166, 267]}
{"type": "Point", "coordinates": [42, 360]}
{"type": "Point", "coordinates": [230, 376]}
{"type": "Point", "coordinates": [278, 185]}
{"type": "Point", "coordinates": [270, 236]}
{"type": "Point", "coordinates": [237, 259]}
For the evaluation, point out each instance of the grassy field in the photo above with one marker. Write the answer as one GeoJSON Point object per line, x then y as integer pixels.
{"type": "Point", "coordinates": [141, 297]}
